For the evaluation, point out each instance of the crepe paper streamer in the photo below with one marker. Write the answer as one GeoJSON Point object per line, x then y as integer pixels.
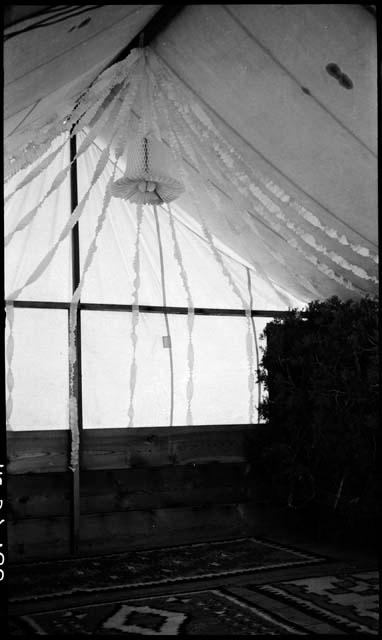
{"type": "Point", "coordinates": [79, 116]}
{"type": "Point", "coordinates": [36, 171]}
{"type": "Point", "coordinates": [59, 179]}
{"type": "Point", "coordinates": [190, 318]}
{"type": "Point", "coordinates": [9, 351]}
{"type": "Point", "coordinates": [310, 257]}
{"type": "Point", "coordinates": [235, 289]}
{"type": "Point", "coordinates": [135, 314]}
{"type": "Point", "coordinates": [73, 404]}
{"type": "Point", "coordinates": [101, 164]}
{"type": "Point", "coordinates": [275, 209]}
{"type": "Point", "coordinates": [227, 156]}
{"type": "Point", "coordinates": [284, 197]}
{"type": "Point", "coordinates": [178, 149]}
{"type": "Point", "coordinates": [73, 407]}
{"type": "Point", "coordinates": [204, 168]}
{"type": "Point", "coordinates": [44, 263]}
{"type": "Point", "coordinates": [177, 142]}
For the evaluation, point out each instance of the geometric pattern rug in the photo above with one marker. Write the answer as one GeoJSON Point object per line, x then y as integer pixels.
{"type": "Point", "coordinates": [324, 605]}
{"type": "Point", "coordinates": [207, 612]}
{"type": "Point", "coordinates": [168, 591]}
{"type": "Point", "coordinates": [348, 603]}
{"type": "Point", "coordinates": [152, 567]}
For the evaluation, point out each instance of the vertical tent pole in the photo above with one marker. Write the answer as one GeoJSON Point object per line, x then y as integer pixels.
{"type": "Point", "coordinates": [75, 520]}
{"type": "Point", "coordinates": [249, 282]}
{"type": "Point", "coordinates": [171, 421]}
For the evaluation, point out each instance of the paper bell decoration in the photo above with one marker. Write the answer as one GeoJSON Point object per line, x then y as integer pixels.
{"type": "Point", "coordinates": [150, 176]}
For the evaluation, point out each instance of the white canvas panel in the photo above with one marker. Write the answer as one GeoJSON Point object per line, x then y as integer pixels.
{"type": "Point", "coordinates": [40, 369]}
{"type": "Point", "coordinates": [220, 371]}
{"type": "Point", "coordinates": [111, 275]}
{"type": "Point", "coordinates": [107, 356]}
{"type": "Point", "coordinates": [29, 246]}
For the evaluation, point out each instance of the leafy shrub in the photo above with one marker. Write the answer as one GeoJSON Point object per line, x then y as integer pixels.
{"type": "Point", "coordinates": [320, 369]}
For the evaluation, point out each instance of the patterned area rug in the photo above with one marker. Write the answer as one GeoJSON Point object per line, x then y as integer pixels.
{"type": "Point", "coordinates": [210, 612]}
{"type": "Point", "coordinates": [325, 604]}
{"type": "Point", "coordinates": [170, 565]}
{"type": "Point", "coordinates": [259, 587]}
{"type": "Point", "coordinates": [348, 603]}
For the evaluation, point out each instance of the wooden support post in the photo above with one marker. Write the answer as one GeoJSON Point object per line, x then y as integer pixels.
{"type": "Point", "coordinates": [75, 519]}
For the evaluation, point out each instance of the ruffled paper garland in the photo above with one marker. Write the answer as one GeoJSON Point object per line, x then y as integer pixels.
{"type": "Point", "coordinates": [243, 177]}
{"type": "Point", "coordinates": [9, 351]}
{"type": "Point", "coordinates": [190, 318]}
{"type": "Point", "coordinates": [135, 315]}
{"type": "Point", "coordinates": [73, 403]}
{"type": "Point", "coordinates": [272, 208]}
{"type": "Point", "coordinates": [177, 143]}
{"type": "Point", "coordinates": [81, 116]}
{"type": "Point", "coordinates": [228, 156]}
{"type": "Point", "coordinates": [61, 176]}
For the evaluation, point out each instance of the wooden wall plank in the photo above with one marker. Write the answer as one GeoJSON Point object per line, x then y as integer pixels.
{"type": "Point", "coordinates": [49, 494]}
{"type": "Point", "coordinates": [111, 532]}
{"type": "Point", "coordinates": [38, 495]}
{"type": "Point", "coordinates": [37, 451]}
{"type": "Point", "coordinates": [140, 529]}
{"type": "Point", "coordinates": [47, 451]}
{"type": "Point", "coordinates": [37, 538]}
{"type": "Point", "coordinates": [161, 487]}
{"type": "Point", "coordinates": [159, 447]}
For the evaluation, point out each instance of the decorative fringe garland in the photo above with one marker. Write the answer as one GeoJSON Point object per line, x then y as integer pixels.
{"type": "Point", "coordinates": [59, 179]}
{"type": "Point", "coordinates": [34, 173]}
{"type": "Point", "coordinates": [100, 167]}
{"type": "Point", "coordinates": [206, 168]}
{"type": "Point", "coordinates": [178, 141]}
{"type": "Point", "coordinates": [202, 127]}
{"type": "Point", "coordinates": [190, 317]}
{"type": "Point", "coordinates": [230, 153]}
{"type": "Point", "coordinates": [10, 347]}
{"type": "Point", "coordinates": [90, 100]}
{"type": "Point", "coordinates": [73, 405]}
{"type": "Point", "coordinates": [135, 315]}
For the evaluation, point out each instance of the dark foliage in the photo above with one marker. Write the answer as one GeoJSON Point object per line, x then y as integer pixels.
{"type": "Point", "coordinates": [321, 373]}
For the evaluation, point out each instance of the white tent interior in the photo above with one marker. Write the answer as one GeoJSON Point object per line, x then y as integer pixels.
{"type": "Point", "coordinates": [269, 112]}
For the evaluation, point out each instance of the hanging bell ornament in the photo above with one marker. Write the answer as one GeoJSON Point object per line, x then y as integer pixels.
{"type": "Point", "coordinates": [150, 175]}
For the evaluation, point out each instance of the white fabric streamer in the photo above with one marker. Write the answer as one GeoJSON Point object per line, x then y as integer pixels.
{"type": "Point", "coordinates": [59, 179]}
{"type": "Point", "coordinates": [240, 173]}
{"type": "Point", "coordinates": [275, 209]}
{"type": "Point", "coordinates": [73, 405]}
{"type": "Point", "coordinates": [135, 315]}
{"type": "Point", "coordinates": [178, 139]}
{"type": "Point", "coordinates": [9, 351]}
{"type": "Point", "coordinates": [91, 99]}
{"type": "Point", "coordinates": [190, 317]}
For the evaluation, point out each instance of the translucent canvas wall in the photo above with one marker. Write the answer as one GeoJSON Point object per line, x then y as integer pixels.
{"type": "Point", "coordinates": [37, 365]}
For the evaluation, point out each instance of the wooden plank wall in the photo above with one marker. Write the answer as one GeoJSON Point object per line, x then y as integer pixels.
{"type": "Point", "coordinates": [139, 488]}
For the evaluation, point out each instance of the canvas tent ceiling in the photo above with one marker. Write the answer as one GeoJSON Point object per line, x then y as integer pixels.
{"type": "Point", "coordinates": [259, 71]}
{"type": "Point", "coordinates": [279, 164]}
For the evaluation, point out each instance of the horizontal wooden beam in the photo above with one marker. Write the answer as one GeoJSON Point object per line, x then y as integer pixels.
{"type": "Point", "coordinates": [45, 538]}
{"type": "Point", "coordinates": [199, 311]}
{"type": "Point", "coordinates": [124, 448]}
{"type": "Point", "coordinates": [43, 495]}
